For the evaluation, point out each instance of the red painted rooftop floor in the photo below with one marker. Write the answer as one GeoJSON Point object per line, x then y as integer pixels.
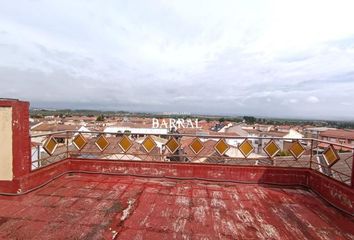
{"type": "Point", "coordinates": [84, 206]}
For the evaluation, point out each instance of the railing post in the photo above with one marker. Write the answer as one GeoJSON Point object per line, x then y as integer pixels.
{"type": "Point", "coordinates": [311, 154]}
{"type": "Point", "coordinates": [67, 144]}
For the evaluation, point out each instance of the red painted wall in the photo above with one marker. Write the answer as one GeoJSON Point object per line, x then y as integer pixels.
{"type": "Point", "coordinates": [336, 193]}
{"type": "Point", "coordinates": [21, 149]}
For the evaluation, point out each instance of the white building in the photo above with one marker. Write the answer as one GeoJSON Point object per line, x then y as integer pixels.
{"type": "Point", "coordinates": [138, 131]}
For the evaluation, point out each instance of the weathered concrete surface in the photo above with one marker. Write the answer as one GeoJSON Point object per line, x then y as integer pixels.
{"type": "Point", "coordinates": [92, 206]}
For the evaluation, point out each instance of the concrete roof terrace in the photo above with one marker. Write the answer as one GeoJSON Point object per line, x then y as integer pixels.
{"type": "Point", "coordinates": [96, 206]}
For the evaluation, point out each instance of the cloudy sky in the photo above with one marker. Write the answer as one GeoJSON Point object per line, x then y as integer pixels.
{"type": "Point", "coordinates": [263, 58]}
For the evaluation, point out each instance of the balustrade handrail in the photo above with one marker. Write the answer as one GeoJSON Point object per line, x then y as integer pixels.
{"type": "Point", "coordinates": [218, 136]}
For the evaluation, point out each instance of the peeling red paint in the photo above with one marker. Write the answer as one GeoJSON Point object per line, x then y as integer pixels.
{"type": "Point", "coordinates": [343, 197]}
{"type": "Point", "coordinates": [95, 206]}
{"type": "Point", "coordinates": [20, 136]}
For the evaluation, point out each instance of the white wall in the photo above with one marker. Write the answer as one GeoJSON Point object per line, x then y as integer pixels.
{"type": "Point", "coordinates": [6, 143]}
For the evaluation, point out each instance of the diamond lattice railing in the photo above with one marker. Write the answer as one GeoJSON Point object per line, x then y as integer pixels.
{"type": "Point", "coordinates": [297, 149]}
{"type": "Point", "coordinates": [79, 141]}
{"type": "Point", "coordinates": [148, 144]}
{"type": "Point", "coordinates": [102, 142]}
{"type": "Point", "coordinates": [246, 148]}
{"type": "Point", "coordinates": [334, 160]}
{"type": "Point", "coordinates": [221, 147]}
{"type": "Point", "coordinates": [271, 149]}
{"type": "Point", "coordinates": [125, 143]}
{"type": "Point", "coordinates": [196, 146]}
{"type": "Point", "coordinates": [330, 155]}
{"type": "Point", "coordinates": [172, 145]}
{"type": "Point", "coordinates": [50, 145]}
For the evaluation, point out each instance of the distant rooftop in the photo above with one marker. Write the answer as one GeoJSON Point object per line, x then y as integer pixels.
{"type": "Point", "coordinates": [338, 133]}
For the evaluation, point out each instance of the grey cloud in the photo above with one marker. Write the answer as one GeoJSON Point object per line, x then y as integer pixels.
{"type": "Point", "coordinates": [165, 56]}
